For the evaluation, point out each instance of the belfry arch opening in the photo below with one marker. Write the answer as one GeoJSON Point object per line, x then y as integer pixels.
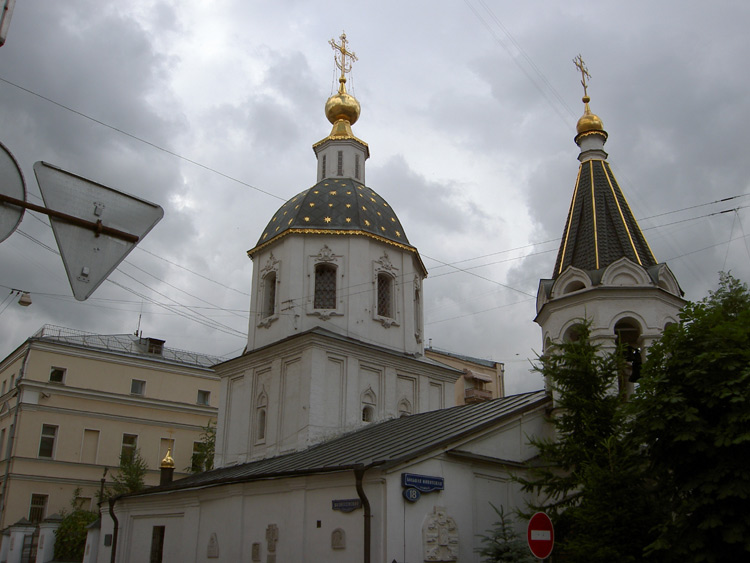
{"type": "Point", "coordinates": [628, 341]}
{"type": "Point", "coordinates": [572, 333]}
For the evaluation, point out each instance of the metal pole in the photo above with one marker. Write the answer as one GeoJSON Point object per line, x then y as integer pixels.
{"type": "Point", "coordinates": [97, 227]}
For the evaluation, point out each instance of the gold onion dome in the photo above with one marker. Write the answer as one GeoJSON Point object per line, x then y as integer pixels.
{"type": "Point", "coordinates": [589, 121]}
{"type": "Point", "coordinates": [342, 106]}
{"type": "Point", "coordinates": [167, 462]}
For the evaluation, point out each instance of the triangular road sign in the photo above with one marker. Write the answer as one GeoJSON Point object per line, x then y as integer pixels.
{"type": "Point", "coordinates": [89, 257]}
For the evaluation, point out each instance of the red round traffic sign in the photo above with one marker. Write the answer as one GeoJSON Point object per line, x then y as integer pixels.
{"type": "Point", "coordinates": [540, 535]}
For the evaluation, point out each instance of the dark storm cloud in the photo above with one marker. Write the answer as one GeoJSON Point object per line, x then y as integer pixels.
{"type": "Point", "coordinates": [470, 130]}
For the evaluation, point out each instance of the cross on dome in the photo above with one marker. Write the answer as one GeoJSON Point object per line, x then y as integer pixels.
{"type": "Point", "coordinates": [343, 65]}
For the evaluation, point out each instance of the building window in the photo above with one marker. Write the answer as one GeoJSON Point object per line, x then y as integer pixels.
{"type": "Point", "coordinates": [137, 387]}
{"type": "Point", "coordinates": [404, 408]}
{"type": "Point", "coordinates": [196, 461]}
{"type": "Point", "coordinates": [37, 508]}
{"type": "Point", "coordinates": [418, 320]}
{"type": "Point", "coordinates": [323, 167]}
{"type": "Point", "coordinates": [340, 167]}
{"type": "Point", "coordinates": [2, 443]}
{"type": "Point", "coordinates": [204, 397]}
{"type": "Point", "coordinates": [57, 375]}
{"type": "Point", "coordinates": [83, 503]}
{"type": "Point", "coordinates": [385, 295]}
{"type": "Point", "coordinates": [129, 445]}
{"type": "Point", "coordinates": [368, 414]}
{"type": "Point", "coordinates": [47, 441]}
{"type": "Point", "coordinates": [356, 166]}
{"type": "Point", "coordinates": [269, 295]}
{"type": "Point", "coordinates": [157, 544]}
{"type": "Point", "coordinates": [3, 389]}
{"type": "Point", "coordinates": [155, 346]}
{"type": "Point", "coordinates": [261, 424]}
{"type": "Point", "coordinates": [325, 286]}
{"type": "Point", "coordinates": [261, 412]}
{"type": "Point", "coordinates": [90, 447]}
{"type": "Point", "coordinates": [368, 402]}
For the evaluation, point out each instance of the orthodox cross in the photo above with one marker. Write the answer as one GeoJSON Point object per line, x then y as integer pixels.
{"type": "Point", "coordinates": [344, 65]}
{"type": "Point", "coordinates": [580, 65]}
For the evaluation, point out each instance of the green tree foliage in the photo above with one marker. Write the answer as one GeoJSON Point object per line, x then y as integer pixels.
{"type": "Point", "coordinates": [502, 544]}
{"type": "Point", "coordinates": [131, 474]}
{"type": "Point", "coordinates": [693, 416]}
{"type": "Point", "coordinates": [589, 476]}
{"type": "Point", "coordinates": [70, 538]}
{"type": "Point", "coordinates": [203, 456]}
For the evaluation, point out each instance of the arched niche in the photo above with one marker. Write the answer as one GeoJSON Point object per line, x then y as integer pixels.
{"type": "Point", "coordinates": [667, 281]}
{"type": "Point", "coordinates": [570, 281]}
{"type": "Point", "coordinates": [625, 272]}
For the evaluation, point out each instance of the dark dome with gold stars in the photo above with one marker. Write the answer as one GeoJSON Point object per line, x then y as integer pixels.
{"type": "Point", "coordinates": [339, 206]}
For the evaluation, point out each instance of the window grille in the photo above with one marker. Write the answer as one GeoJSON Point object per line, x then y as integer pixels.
{"type": "Point", "coordinates": [340, 167]}
{"type": "Point", "coordinates": [323, 168]}
{"type": "Point", "coordinates": [37, 508]}
{"type": "Point", "coordinates": [325, 287]}
{"type": "Point", "coordinates": [385, 295]}
{"type": "Point", "coordinates": [356, 166]}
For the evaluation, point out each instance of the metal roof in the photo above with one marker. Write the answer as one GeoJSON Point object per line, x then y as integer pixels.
{"type": "Point", "coordinates": [385, 443]}
{"type": "Point", "coordinates": [463, 357]}
{"type": "Point", "coordinates": [337, 206]}
{"type": "Point", "coordinates": [124, 344]}
{"type": "Point", "coordinates": [600, 228]}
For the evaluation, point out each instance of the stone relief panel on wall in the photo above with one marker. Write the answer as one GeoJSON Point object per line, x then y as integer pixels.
{"type": "Point", "coordinates": [440, 536]}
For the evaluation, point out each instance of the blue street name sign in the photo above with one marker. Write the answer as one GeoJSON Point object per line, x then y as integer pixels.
{"type": "Point", "coordinates": [424, 483]}
{"type": "Point", "coordinates": [347, 504]}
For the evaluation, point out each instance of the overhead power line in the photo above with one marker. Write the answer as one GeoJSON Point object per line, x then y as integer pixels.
{"type": "Point", "coordinates": [141, 139]}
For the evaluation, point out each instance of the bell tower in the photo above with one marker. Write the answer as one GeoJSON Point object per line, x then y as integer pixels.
{"type": "Point", "coordinates": [605, 271]}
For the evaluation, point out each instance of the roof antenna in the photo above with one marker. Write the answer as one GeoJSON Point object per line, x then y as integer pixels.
{"type": "Point", "coordinates": [138, 329]}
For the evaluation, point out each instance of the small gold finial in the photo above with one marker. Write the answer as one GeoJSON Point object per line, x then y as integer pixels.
{"type": "Point", "coordinates": [167, 461]}
{"type": "Point", "coordinates": [580, 65]}
{"type": "Point", "coordinates": [343, 65]}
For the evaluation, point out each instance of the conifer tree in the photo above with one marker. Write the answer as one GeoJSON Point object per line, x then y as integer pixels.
{"type": "Point", "coordinates": [502, 544]}
{"type": "Point", "coordinates": [589, 476]}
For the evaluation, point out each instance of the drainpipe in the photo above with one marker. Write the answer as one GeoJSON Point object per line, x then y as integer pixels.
{"type": "Point", "coordinates": [12, 434]}
{"type": "Point", "coordinates": [358, 474]}
{"type": "Point", "coordinates": [114, 532]}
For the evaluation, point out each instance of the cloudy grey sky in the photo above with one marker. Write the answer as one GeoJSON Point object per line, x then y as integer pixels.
{"type": "Point", "coordinates": [469, 108]}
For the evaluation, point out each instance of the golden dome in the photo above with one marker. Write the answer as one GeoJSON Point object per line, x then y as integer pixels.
{"type": "Point", "coordinates": [589, 121]}
{"type": "Point", "coordinates": [167, 462]}
{"type": "Point", "coordinates": [342, 106]}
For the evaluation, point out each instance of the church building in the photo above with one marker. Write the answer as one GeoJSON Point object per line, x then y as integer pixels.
{"type": "Point", "coordinates": [338, 439]}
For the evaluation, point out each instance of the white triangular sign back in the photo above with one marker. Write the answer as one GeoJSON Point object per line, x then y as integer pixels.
{"type": "Point", "coordinates": [89, 258]}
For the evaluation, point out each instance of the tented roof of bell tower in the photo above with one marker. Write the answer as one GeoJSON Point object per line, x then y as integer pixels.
{"type": "Point", "coordinates": [600, 228]}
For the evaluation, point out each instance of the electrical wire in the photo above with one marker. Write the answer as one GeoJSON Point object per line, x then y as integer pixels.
{"type": "Point", "coordinates": [141, 139]}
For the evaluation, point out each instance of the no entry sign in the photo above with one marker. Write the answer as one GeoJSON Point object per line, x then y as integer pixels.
{"type": "Point", "coordinates": [540, 535]}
